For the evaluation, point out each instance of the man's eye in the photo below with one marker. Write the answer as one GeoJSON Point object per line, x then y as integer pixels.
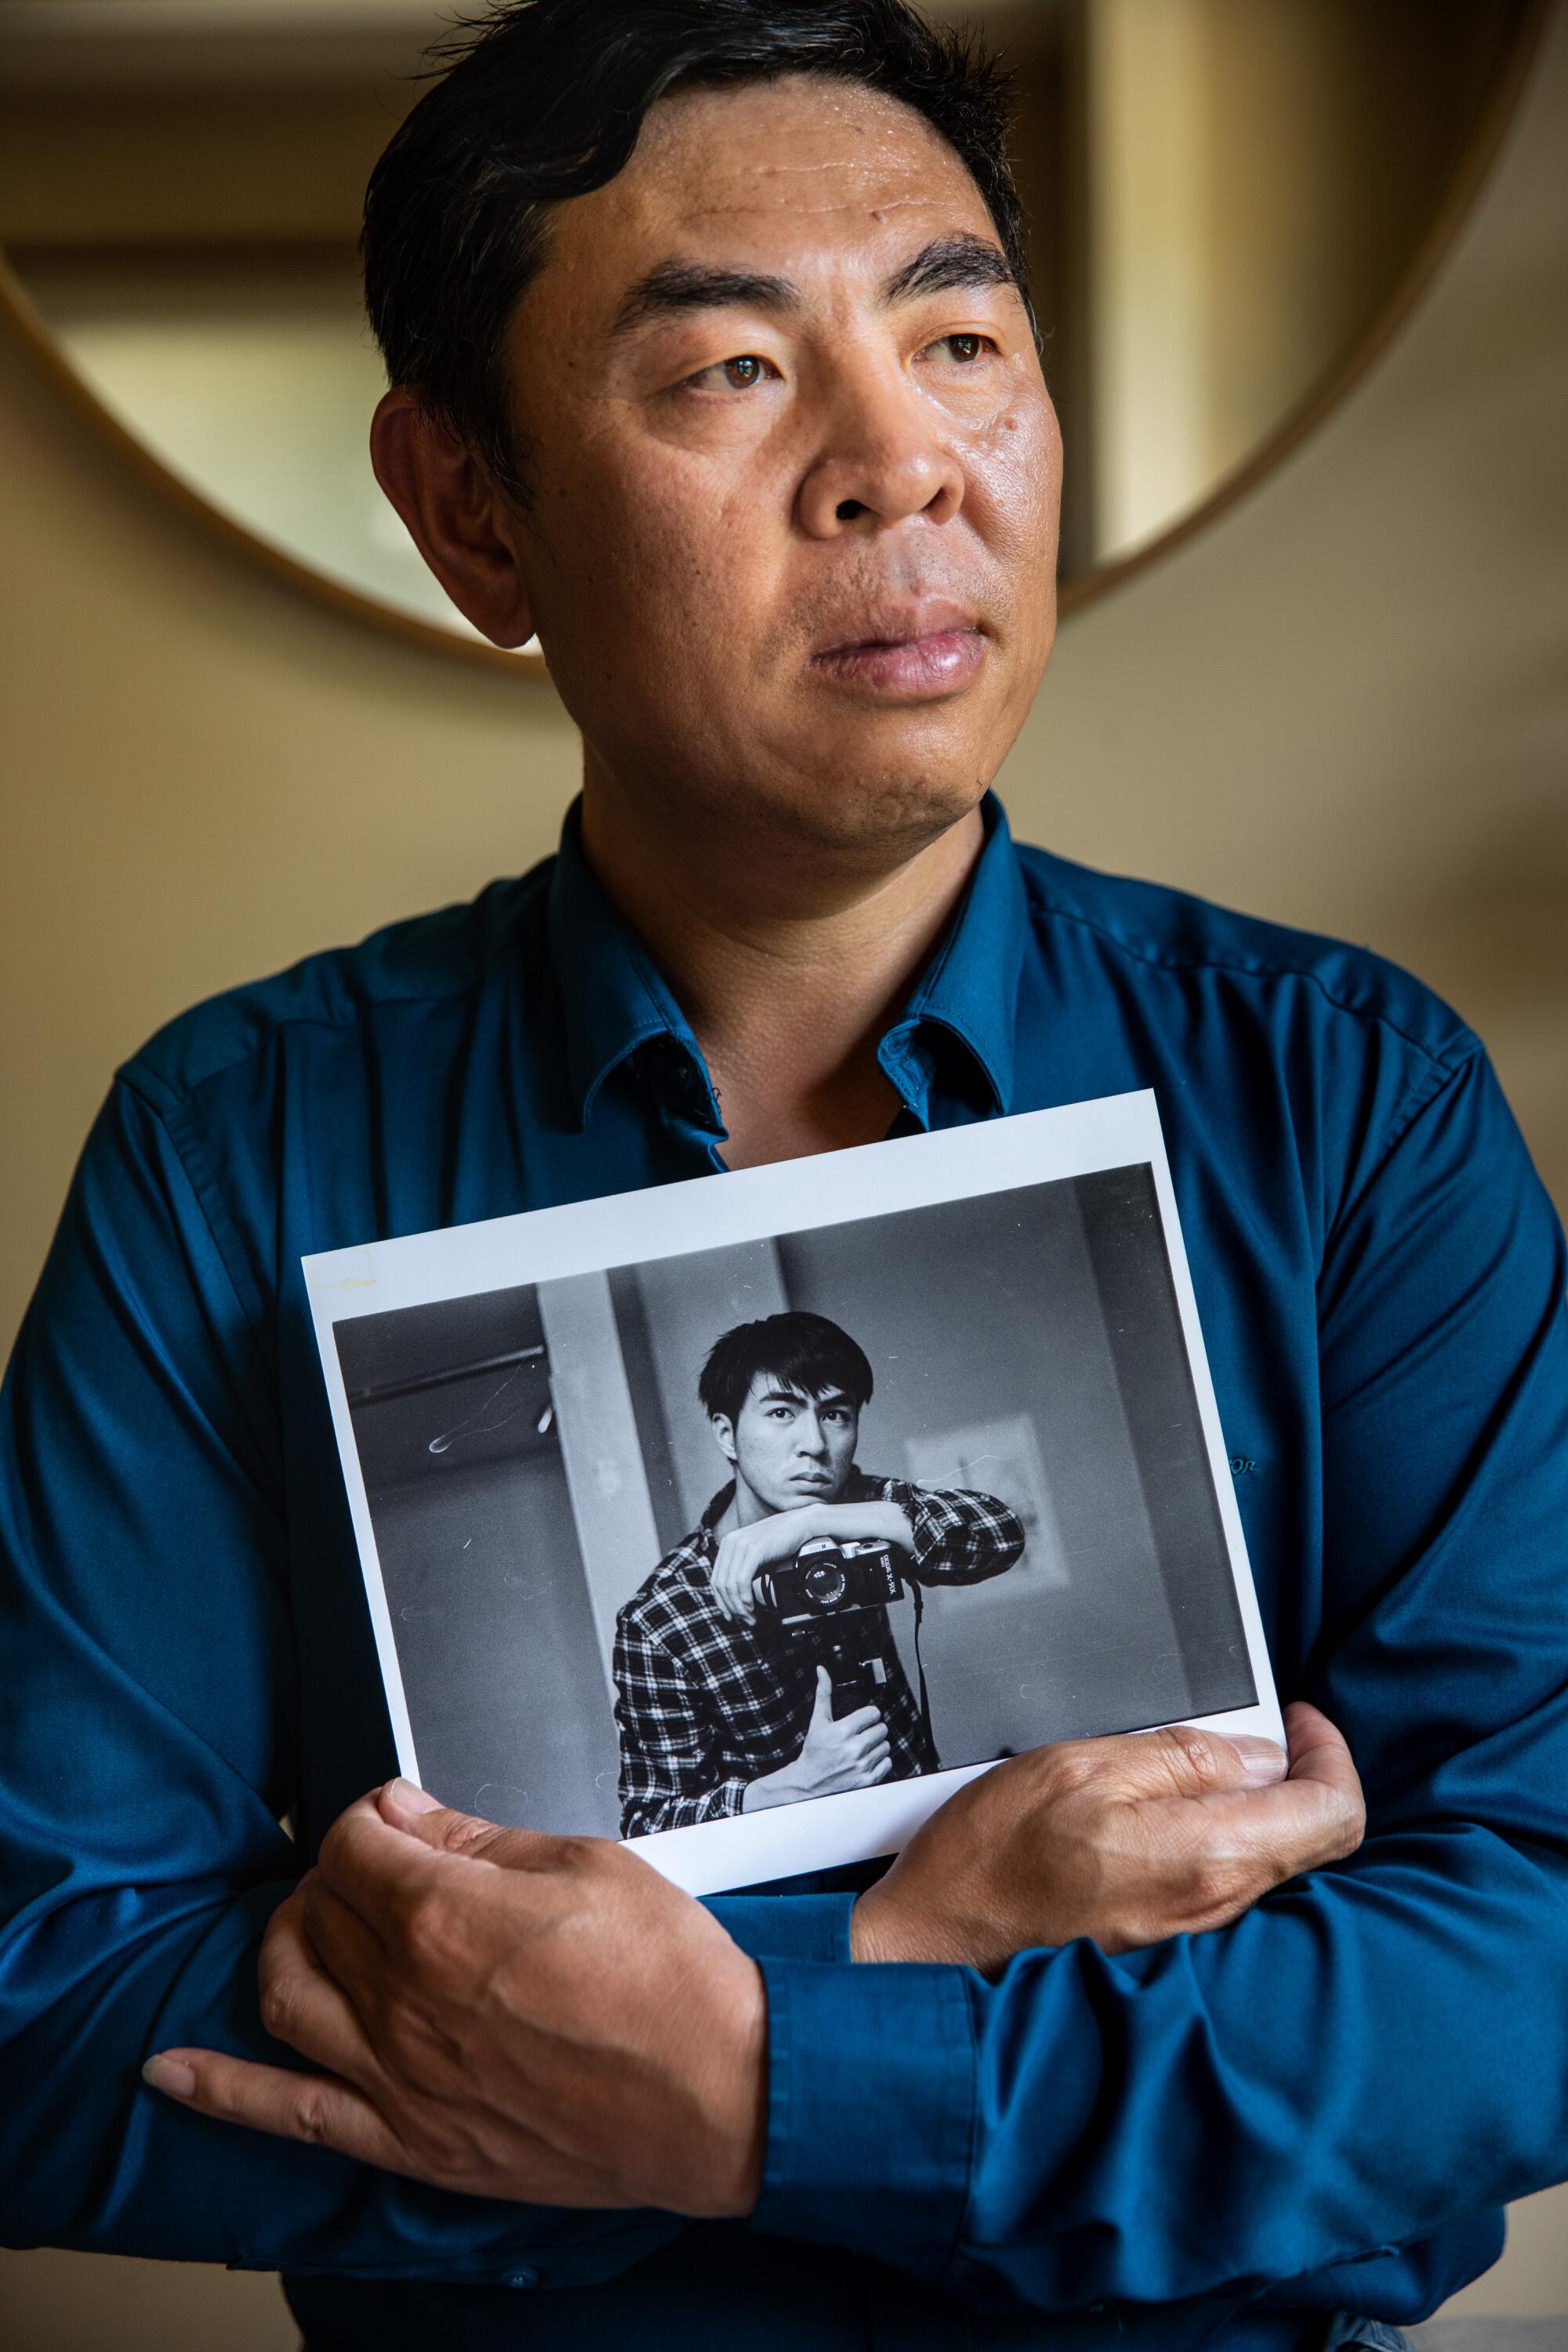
{"type": "Point", "coordinates": [734, 375]}
{"type": "Point", "coordinates": [964, 348]}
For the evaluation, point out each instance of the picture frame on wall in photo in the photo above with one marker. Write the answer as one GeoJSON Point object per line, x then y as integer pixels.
{"type": "Point", "coordinates": [747, 1517]}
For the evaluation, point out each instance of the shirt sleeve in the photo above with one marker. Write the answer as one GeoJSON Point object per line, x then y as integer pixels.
{"type": "Point", "coordinates": [786, 1927]}
{"type": "Point", "coordinates": [960, 1537]}
{"type": "Point", "coordinates": [1377, 2052]}
{"type": "Point", "coordinates": [146, 1754]}
{"type": "Point", "coordinates": [671, 1771]}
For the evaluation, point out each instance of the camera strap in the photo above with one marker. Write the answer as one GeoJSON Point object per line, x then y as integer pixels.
{"type": "Point", "coordinates": [920, 1601]}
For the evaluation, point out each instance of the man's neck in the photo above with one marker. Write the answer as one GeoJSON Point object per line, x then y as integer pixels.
{"type": "Point", "coordinates": [788, 967]}
{"type": "Point", "coordinates": [743, 1510]}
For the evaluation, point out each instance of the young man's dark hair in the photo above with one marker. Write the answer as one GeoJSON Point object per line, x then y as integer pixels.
{"type": "Point", "coordinates": [545, 98]}
{"type": "Point", "coordinates": [802, 1351]}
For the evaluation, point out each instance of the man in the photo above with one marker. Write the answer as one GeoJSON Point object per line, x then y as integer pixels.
{"type": "Point", "coordinates": [711, 361]}
{"type": "Point", "coordinates": [720, 1710]}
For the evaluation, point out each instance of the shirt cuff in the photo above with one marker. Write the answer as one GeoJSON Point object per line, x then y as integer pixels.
{"type": "Point", "coordinates": [786, 1927]}
{"type": "Point", "coordinates": [871, 2106]}
{"type": "Point", "coordinates": [729, 1797]}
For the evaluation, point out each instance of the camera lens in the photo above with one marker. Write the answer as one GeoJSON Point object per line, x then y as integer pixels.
{"type": "Point", "coordinates": [825, 1586]}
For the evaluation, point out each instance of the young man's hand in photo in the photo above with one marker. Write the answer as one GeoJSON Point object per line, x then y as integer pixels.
{"type": "Point", "coordinates": [851, 1754]}
{"type": "Point", "coordinates": [747, 1551]}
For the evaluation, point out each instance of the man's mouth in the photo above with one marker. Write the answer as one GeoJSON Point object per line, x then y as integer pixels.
{"type": "Point", "coordinates": [909, 653]}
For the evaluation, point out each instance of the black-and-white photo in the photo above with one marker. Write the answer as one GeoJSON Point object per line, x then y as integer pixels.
{"type": "Point", "coordinates": [695, 1538]}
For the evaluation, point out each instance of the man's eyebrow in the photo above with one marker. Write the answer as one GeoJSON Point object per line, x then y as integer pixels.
{"type": "Point", "coordinates": [949, 263]}
{"type": "Point", "coordinates": [777, 1390]}
{"type": "Point", "coordinates": [672, 287]}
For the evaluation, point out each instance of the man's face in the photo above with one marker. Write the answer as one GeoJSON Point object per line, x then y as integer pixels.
{"type": "Point", "coordinates": [790, 1448]}
{"type": "Point", "coordinates": [792, 553]}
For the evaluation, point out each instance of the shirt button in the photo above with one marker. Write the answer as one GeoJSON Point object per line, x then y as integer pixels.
{"type": "Point", "coordinates": [523, 2276]}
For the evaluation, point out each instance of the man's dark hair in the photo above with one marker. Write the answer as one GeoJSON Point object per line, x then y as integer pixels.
{"type": "Point", "coordinates": [805, 1353]}
{"type": "Point", "coordinates": [544, 98]}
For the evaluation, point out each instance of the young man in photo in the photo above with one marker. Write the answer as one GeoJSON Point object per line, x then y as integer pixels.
{"type": "Point", "coordinates": [712, 364]}
{"type": "Point", "coordinates": [722, 1712]}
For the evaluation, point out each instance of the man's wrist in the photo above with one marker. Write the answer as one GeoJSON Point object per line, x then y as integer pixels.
{"type": "Point", "coordinates": [768, 1788]}
{"type": "Point", "coordinates": [875, 1928]}
{"type": "Point", "coordinates": [735, 2061]}
{"type": "Point", "coordinates": [886, 1522]}
{"type": "Point", "coordinates": [886, 1925]}
{"type": "Point", "coordinates": [865, 1944]}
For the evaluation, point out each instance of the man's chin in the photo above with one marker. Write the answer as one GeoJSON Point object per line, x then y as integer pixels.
{"type": "Point", "coordinates": [893, 815]}
{"type": "Point", "coordinates": [795, 1497]}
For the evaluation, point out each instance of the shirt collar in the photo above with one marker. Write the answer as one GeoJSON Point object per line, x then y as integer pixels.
{"type": "Point", "coordinates": [703, 1538]}
{"type": "Point", "coordinates": [614, 1004]}
{"type": "Point", "coordinates": [968, 990]}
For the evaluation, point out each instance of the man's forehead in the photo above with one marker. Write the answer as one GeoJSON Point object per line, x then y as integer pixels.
{"type": "Point", "coordinates": [773, 1384]}
{"type": "Point", "coordinates": [804, 142]}
{"type": "Point", "coordinates": [772, 173]}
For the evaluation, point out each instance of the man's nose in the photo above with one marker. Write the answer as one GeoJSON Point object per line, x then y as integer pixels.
{"type": "Point", "coordinates": [810, 1435]}
{"type": "Point", "coordinates": [882, 458]}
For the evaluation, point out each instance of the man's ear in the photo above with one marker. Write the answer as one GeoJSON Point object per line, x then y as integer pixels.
{"type": "Point", "coordinates": [723, 1429]}
{"type": "Point", "coordinates": [456, 517]}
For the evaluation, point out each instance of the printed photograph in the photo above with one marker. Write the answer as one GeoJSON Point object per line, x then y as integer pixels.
{"type": "Point", "coordinates": [724, 1530]}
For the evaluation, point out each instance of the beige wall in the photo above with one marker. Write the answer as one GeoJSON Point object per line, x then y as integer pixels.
{"type": "Point", "coordinates": [1345, 706]}
{"type": "Point", "coordinates": [1218, 292]}
{"type": "Point", "coordinates": [1260, 171]}
{"type": "Point", "coordinates": [202, 777]}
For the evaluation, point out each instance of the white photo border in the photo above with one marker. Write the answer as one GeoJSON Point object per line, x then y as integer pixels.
{"type": "Point", "coordinates": [750, 1204]}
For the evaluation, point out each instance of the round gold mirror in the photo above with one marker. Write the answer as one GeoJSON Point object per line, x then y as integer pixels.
{"type": "Point", "coordinates": [1230, 202]}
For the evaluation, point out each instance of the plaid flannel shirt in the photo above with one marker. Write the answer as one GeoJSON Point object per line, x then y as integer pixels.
{"type": "Point", "coordinates": [707, 1704]}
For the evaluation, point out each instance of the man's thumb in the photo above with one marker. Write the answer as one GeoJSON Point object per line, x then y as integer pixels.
{"type": "Point", "coordinates": [418, 1815]}
{"type": "Point", "coordinates": [822, 1705]}
{"type": "Point", "coordinates": [1179, 1761]}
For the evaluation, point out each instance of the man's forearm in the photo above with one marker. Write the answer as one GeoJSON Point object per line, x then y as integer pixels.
{"type": "Point", "coordinates": [881, 1522]}
{"type": "Point", "coordinates": [1349, 2059]}
{"type": "Point", "coordinates": [90, 2158]}
{"type": "Point", "coordinates": [649, 1807]}
{"type": "Point", "coordinates": [770, 1788]}
{"type": "Point", "coordinates": [959, 1536]}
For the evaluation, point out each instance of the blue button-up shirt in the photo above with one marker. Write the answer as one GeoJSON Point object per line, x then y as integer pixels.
{"type": "Point", "coordinates": [1202, 2142]}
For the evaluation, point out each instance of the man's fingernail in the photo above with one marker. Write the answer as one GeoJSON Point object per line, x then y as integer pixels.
{"type": "Point", "coordinates": [1264, 1761]}
{"type": "Point", "coordinates": [168, 2074]}
{"type": "Point", "coordinates": [412, 1798]}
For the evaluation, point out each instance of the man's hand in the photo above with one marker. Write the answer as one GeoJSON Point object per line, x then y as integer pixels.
{"type": "Point", "coordinates": [850, 1754]}
{"type": "Point", "coordinates": [546, 2019]}
{"type": "Point", "coordinates": [514, 2015]}
{"type": "Point", "coordinates": [745, 1552]}
{"type": "Point", "coordinates": [1124, 1840]}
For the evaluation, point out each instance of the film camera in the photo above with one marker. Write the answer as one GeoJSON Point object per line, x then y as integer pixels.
{"type": "Point", "coordinates": [831, 1600]}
